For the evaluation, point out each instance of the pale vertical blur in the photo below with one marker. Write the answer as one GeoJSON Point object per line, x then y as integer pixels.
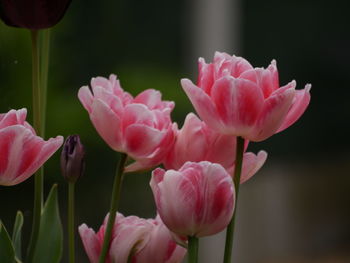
{"type": "Point", "coordinates": [215, 26]}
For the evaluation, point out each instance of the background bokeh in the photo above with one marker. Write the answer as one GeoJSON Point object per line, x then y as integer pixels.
{"type": "Point", "coordinates": [297, 208]}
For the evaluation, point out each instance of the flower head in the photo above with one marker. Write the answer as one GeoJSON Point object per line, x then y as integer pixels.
{"type": "Point", "coordinates": [22, 153]}
{"type": "Point", "coordinates": [234, 98]}
{"type": "Point", "coordinates": [196, 142]}
{"type": "Point", "coordinates": [140, 127]}
{"type": "Point", "coordinates": [197, 200]}
{"type": "Point", "coordinates": [145, 240]}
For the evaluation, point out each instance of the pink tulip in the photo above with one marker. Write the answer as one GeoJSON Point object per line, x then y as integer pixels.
{"type": "Point", "coordinates": [197, 142]}
{"type": "Point", "coordinates": [22, 153]}
{"type": "Point", "coordinates": [234, 98]}
{"type": "Point", "coordinates": [197, 200]}
{"type": "Point", "coordinates": [140, 126]}
{"type": "Point", "coordinates": [147, 241]}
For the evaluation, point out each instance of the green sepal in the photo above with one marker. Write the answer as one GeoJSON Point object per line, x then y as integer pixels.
{"type": "Point", "coordinates": [49, 246]}
{"type": "Point", "coordinates": [17, 234]}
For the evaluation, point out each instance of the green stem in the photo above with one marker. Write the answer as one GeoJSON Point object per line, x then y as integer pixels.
{"type": "Point", "coordinates": [114, 206]}
{"type": "Point", "coordinates": [38, 181]}
{"type": "Point", "coordinates": [45, 55]}
{"type": "Point", "coordinates": [193, 244]}
{"type": "Point", "coordinates": [236, 180]}
{"type": "Point", "coordinates": [71, 186]}
{"type": "Point", "coordinates": [36, 82]}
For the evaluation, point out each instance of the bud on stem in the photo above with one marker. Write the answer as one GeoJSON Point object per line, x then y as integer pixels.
{"type": "Point", "coordinates": [72, 158]}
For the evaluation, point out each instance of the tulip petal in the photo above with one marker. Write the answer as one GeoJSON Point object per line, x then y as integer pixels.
{"type": "Point", "coordinates": [300, 103]}
{"type": "Point", "coordinates": [35, 153]}
{"type": "Point", "coordinates": [218, 199]}
{"type": "Point", "coordinates": [132, 234]}
{"type": "Point", "coordinates": [226, 65]}
{"type": "Point", "coordinates": [191, 144]}
{"type": "Point", "coordinates": [13, 117]}
{"type": "Point", "coordinates": [91, 243]}
{"type": "Point", "coordinates": [138, 114]}
{"type": "Point", "coordinates": [153, 100]}
{"type": "Point", "coordinates": [238, 103]}
{"type": "Point", "coordinates": [86, 98]}
{"type": "Point", "coordinates": [141, 140]}
{"type": "Point", "coordinates": [112, 101]}
{"type": "Point", "coordinates": [275, 109]}
{"type": "Point", "coordinates": [22, 153]}
{"type": "Point", "coordinates": [107, 84]}
{"type": "Point", "coordinates": [149, 97]}
{"type": "Point", "coordinates": [205, 76]}
{"type": "Point", "coordinates": [107, 124]}
{"type": "Point", "coordinates": [252, 164]}
{"type": "Point", "coordinates": [202, 104]}
{"type": "Point", "coordinates": [161, 248]}
{"type": "Point", "coordinates": [222, 150]}
{"type": "Point", "coordinates": [268, 79]}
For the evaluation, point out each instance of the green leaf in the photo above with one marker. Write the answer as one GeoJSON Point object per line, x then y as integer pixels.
{"type": "Point", "coordinates": [49, 245]}
{"type": "Point", "coordinates": [7, 252]}
{"type": "Point", "coordinates": [17, 234]}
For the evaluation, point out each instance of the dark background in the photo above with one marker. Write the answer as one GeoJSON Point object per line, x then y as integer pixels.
{"type": "Point", "coordinates": [297, 208]}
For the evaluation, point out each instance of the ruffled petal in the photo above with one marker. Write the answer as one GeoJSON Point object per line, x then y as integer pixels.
{"type": "Point", "coordinates": [226, 65]}
{"type": "Point", "coordinates": [205, 76]}
{"type": "Point", "coordinates": [141, 140]}
{"type": "Point", "coordinates": [191, 144]}
{"type": "Point", "coordinates": [22, 153]}
{"type": "Point", "coordinates": [275, 110]}
{"type": "Point", "coordinates": [300, 103]}
{"type": "Point", "coordinates": [13, 117]}
{"type": "Point", "coordinates": [238, 103]}
{"type": "Point", "coordinates": [91, 243]}
{"type": "Point", "coordinates": [252, 164]}
{"type": "Point", "coordinates": [107, 124]}
{"type": "Point", "coordinates": [86, 98]}
{"type": "Point", "coordinates": [202, 104]}
{"type": "Point", "coordinates": [132, 234]}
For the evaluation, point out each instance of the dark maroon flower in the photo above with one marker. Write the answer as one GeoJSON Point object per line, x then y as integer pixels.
{"type": "Point", "coordinates": [72, 158]}
{"type": "Point", "coordinates": [32, 14]}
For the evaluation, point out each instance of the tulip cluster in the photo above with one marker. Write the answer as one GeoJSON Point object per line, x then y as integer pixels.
{"type": "Point", "coordinates": [195, 195]}
{"type": "Point", "coordinates": [205, 161]}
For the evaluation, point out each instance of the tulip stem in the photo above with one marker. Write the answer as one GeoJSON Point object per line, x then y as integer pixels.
{"type": "Point", "coordinates": [39, 177]}
{"type": "Point", "coordinates": [71, 186]}
{"type": "Point", "coordinates": [193, 244]}
{"type": "Point", "coordinates": [236, 180]}
{"type": "Point", "coordinates": [117, 185]}
{"type": "Point", "coordinates": [45, 55]}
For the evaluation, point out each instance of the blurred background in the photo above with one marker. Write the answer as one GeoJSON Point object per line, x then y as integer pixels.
{"type": "Point", "coordinates": [297, 208]}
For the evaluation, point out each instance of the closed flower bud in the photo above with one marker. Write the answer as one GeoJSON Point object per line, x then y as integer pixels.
{"type": "Point", "coordinates": [72, 158]}
{"type": "Point", "coordinates": [196, 200]}
{"type": "Point", "coordinates": [33, 14]}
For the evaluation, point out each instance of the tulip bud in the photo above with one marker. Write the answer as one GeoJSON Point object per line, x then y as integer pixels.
{"type": "Point", "coordinates": [33, 14]}
{"type": "Point", "coordinates": [72, 158]}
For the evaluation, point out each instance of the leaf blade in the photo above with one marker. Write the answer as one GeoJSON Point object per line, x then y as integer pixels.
{"type": "Point", "coordinates": [49, 246]}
